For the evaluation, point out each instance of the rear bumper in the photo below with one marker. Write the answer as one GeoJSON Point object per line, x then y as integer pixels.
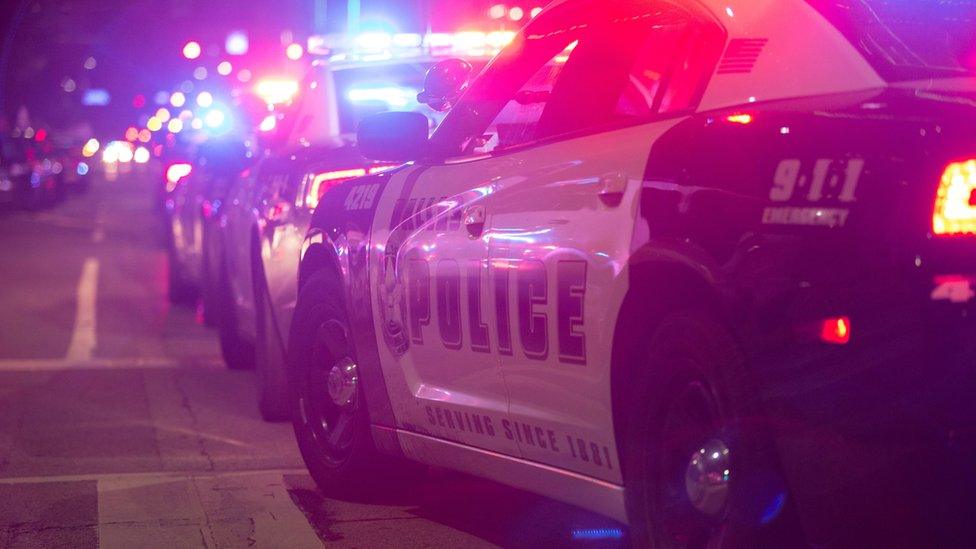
{"type": "Point", "coordinates": [878, 438]}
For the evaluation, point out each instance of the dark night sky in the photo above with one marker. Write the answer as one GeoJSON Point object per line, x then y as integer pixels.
{"type": "Point", "coordinates": [137, 45]}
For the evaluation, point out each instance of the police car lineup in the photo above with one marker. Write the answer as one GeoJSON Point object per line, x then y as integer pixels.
{"type": "Point", "coordinates": [703, 267]}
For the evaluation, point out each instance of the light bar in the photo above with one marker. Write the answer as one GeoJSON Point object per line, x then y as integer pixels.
{"type": "Point", "coordinates": [380, 45]}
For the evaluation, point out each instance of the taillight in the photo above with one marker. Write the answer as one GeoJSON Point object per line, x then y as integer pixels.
{"type": "Point", "coordinates": [955, 203]}
{"type": "Point", "coordinates": [836, 331]}
{"type": "Point", "coordinates": [322, 182]}
{"type": "Point", "coordinates": [175, 173]}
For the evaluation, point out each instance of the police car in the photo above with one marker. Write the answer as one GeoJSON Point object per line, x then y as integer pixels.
{"type": "Point", "coordinates": [702, 266]}
{"type": "Point", "coordinates": [254, 238]}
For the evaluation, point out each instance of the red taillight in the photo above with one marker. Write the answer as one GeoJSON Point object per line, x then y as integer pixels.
{"type": "Point", "coordinates": [955, 203]}
{"type": "Point", "coordinates": [836, 331]}
{"type": "Point", "coordinates": [740, 118]}
{"type": "Point", "coordinates": [322, 182]}
{"type": "Point", "coordinates": [176, 172]}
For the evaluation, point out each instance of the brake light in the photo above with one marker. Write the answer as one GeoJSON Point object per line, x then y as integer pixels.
{"type": "Point", "coordinates": [740, 118]}
{"type": "Point", "coordinates": [175, 173]}
{"type": "Point", "coordinates": [323, 182]}
{"type": "Point", "coordinates": [836, 331]}
{"type": "Point", "coordinates": [955, 202]}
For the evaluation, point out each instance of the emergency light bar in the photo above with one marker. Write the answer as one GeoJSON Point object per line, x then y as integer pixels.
{"type": "Point", "coordinates": [381, 45]}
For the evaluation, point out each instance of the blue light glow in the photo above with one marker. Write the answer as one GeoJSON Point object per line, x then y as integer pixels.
{"type": "Point", "coordinates": [392, 96]}
{"type": "Point", "coordinates": [82, 168]}
{"type": "Point", "coordinates": [597, 533]}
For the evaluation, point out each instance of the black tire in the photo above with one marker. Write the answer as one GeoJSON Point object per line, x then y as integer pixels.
{"type": "Point", "coordinates": [693, 392]}
{"type": "Point", "coordinates": [238, 353]}
{"type": "Point", "coordinates": [269, 359]}
{"type": "Point", "coordinates": [335, 441]}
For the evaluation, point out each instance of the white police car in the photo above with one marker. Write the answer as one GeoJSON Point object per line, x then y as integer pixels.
{"type": "Point", "coordinates": [702, 266]}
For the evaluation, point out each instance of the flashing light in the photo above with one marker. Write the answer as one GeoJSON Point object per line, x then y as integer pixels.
{"type": "Point", "coordinates": [294, 51]}
{"type": "Point", "coordinates": [175, 125]}
{"type": "Point", "coordinates": [836, 331]}
{"type": "Point", "coordinates": [141, 156]}
{"type": "Point", "coordinates": [275, 92]}
{"type": "Point", "coordinates": [154, 124]}
{"type": "Point", "coordinates": [192, 50]}
{"type": "Point", "coordinates": [407, 40]}
{"type": "Point", "coordinates": [373, 41]}
{"type": "Point", "coordinates": [175, 173]}
{"type": "Point", "coordinates": [177, 99]}
{"type": "Point", "coordinates": [324, 182]}
{"type": "Point", "coordinates": [205, 99]}
{"type": "Point", "coordinates": [215, 118]}
{"type": "Point", "coordinates": [224, 68]}
{"type": "Point", "coordinates": [394, 97]}
{"type": "Point", "coordinates": [268, 124]}
{"type": "Point", "coordinates": [955, 200]}
{"type": "Point", "coordinates": [163, 114]}
{"type": "Point", "coordinates": [82, 168]}
{"type": "Point", "coordinates": [497, 11]}
{"type": "Point", "coordinates": [90, 148]}
{"type": "Point", "coordinates": [516, 13]}
{"type": "Point", "coordinates": [131, 133]}
{"type": "Point", "coordinates": [740, 118]}
{"type": "Point", "coordinates": [145, 136]}
{"type": "Point", "coordinates": [236, 43]}
{"type": "Point", "coordinates": [499, 39]}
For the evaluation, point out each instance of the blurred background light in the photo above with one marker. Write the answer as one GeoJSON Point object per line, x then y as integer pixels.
{"type": "Point", "coordinates": [294, 51]}
{"type": "Point", "coordinates": [200, 73]}
{"type": "Point", "coordinates": [161, 98]}
{"type": "Point", "coordinates": [215, 118]}
{"type": "Point", "coordinates": [236, 43]}
{"type": "Point", "coordinates": [141, 156]}
{"type": "Point", "coordinates": [204, 99]}
{"type": "Point", "coordinates": [175, 125]}
{"type": "Point", "coordinates": [191, 50]}
{"type": "Point", "coordinates": [224, 68]}
{"type": "Point", "coordinates": [516, 13]}
{"type": "Point", "coordinates": [96, 97]}
{"type": "Point", "coordinates": [497, 11]}
{"type": "Point", "coordinates": [177, 99]}
{"type": "Point", "coordinates": [268, 123]}
{"type": "Point", "coordinates": [90, 63]}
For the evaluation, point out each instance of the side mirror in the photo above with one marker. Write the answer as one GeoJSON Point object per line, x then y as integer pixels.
{"type": "Point", "coordinates": [394, 136]}
{"type": "Point", "coordinates": [444, 84]}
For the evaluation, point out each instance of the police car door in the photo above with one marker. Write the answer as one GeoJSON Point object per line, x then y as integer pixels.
{"type": "Point", "coordinates": [560, 232]}
{"type": "Point", "coordinates": [433, 303]}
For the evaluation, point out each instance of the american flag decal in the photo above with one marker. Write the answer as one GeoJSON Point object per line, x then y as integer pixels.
{"type": "Point", "coordinates": [741, 55]}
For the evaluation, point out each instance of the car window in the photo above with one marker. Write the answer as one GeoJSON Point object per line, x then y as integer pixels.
{"type": "Point", "coordinates": [504, 108]}
{"type": "Point", "coordinates": [518, 121]}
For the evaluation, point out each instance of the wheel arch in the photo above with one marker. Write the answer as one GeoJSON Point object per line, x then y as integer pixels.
{"type": "Point", "coordinates": [656, 288]}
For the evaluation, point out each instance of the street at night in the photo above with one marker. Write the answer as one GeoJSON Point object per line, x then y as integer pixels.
{"type": "Point", "coordinates": [120, 426]}
{"type": "Point", "coordinates": [666, 274]}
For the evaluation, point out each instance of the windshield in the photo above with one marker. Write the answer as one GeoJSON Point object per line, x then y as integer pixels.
{"type": "Point", "coordinates": [365, 91]}
{"type": "Point", "coordinates": [909, 39]}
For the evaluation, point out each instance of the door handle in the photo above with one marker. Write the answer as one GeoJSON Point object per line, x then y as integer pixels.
{"type": "Point", "coordinates": [474, 220]}
{"type": "Point", "coordinates": [612, 187]}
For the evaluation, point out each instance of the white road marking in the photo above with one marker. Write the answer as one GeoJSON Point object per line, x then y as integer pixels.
{"type": "Point", "coordinates": [56, 364]}
{"type": "Point", "coordinates": [83, 339]}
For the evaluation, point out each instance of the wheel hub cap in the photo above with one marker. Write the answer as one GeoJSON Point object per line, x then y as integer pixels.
{"type": "Point", "coordinates": [707, 477]}
{"type": "Point", "coordinates": [343, 382]}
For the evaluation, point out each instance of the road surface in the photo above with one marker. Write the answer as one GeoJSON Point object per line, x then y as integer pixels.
{"type": "Point", "coordinates": [121, 427]}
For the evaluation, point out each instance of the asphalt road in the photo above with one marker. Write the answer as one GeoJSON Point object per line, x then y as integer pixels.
{"type": "Point", "coordinates": [121, 427]}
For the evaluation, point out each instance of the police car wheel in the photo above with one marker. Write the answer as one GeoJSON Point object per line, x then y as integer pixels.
{"type": "Point", "coordinates": [272, 386]}
{"type": "Point", "coordinates": [329, 413]}
{"type": "Point", "coordinates": [699, 471]}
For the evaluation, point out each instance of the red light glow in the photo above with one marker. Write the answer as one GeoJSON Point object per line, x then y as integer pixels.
{"type": "Point", "coordinates": [955, 209]}
{"type": "Point", "coordinates": [741, 118]}
{"type": "Point", "coordinates": [836, 331]}
{"type": "Point", "coordinates": [325, 181]}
